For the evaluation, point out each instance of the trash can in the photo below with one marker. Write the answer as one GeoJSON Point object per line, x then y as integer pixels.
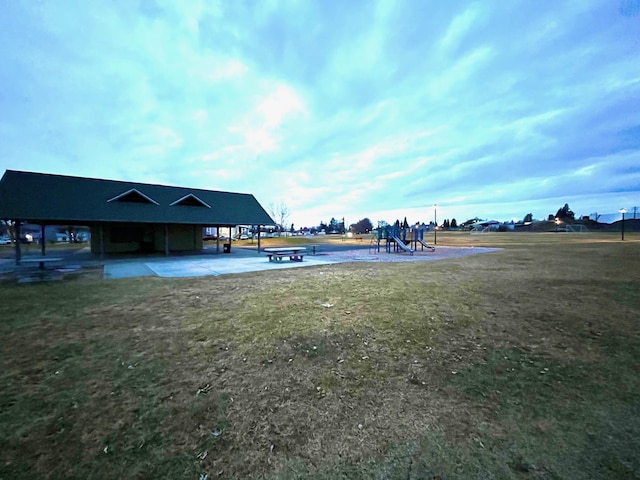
{"type": "Point", "coordinates": [226, 248]}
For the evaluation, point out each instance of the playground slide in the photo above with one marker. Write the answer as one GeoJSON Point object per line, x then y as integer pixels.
{"type": "Point", "coordinates": [433, 249]}
{"type": "Point", "coordinates": [404, 247]}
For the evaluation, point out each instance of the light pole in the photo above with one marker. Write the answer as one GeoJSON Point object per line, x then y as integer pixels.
{"type": "Point", "coordinates": [622, 211]}
{"type": "Point", "coordinates": [435, 220]}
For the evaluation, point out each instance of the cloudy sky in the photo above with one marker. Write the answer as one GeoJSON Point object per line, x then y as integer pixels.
{"type": "Point", "coordinates": [343, 108]}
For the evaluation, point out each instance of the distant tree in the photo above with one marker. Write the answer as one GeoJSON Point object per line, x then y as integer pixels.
{"type": "Point", "coordinates": [446, 223]}
{"type": "Point", "coordinates": [528, 218]}
{"type": "Point", "coordinates": [10, 227]}
{"type": "Point", "coordinates": [292, 229]}
{"type": "Point", "coordinates": [322, 227]}
{"type": "Point", "coordinates": [565, 214]}
{"type": "Point", "coordinates": [363, 226]}
{"type": "Point", "coordinates": [280, 214]}
{"type": "Point", "coordinates": [454, 223]}
{"type": "Point", "coordinates": [333, 225]}
{"type": "Point", "coordinates": [405, 224]}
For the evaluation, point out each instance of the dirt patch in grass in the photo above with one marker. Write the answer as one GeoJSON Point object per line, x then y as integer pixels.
{"type": "Point", "coordinates": [518, 364]}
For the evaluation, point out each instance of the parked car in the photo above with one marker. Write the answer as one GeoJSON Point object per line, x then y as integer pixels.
{"type": "Point", "coordinates": [5, 241]}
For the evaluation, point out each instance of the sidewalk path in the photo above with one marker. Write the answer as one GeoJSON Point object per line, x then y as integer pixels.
{"type": "Point", "coordinates": [241, 260]}
{"type": "Point", "coordinates": [246, 260]}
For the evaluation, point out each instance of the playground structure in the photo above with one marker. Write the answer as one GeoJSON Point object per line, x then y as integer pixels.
{"type": "Point", "coordinates": [397, 239]}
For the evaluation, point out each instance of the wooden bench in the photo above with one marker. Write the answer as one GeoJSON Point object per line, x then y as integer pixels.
{"type": "Point", "coordinates": [41, 261]}
{"type": "Point", "coordinates": [277, 254]}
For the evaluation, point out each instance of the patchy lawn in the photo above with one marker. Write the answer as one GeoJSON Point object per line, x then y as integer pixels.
{"type": "Point", "coordinates": [522, 363]}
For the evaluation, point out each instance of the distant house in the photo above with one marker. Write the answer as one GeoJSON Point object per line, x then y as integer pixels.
{"type": "Point", "coordinates": [485, 226]}
{"type": "Point", "coordinates": [126, 216]}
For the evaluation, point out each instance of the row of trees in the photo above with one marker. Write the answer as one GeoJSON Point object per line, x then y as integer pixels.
{"type": "Point", "coordinates": [450, 224]}
{"type": "Point", "coordinates": [364, 225]}
{"type": "Point", "coordinates": [280, 213]}
{"type": "Point", "coordinates": [563, 214]}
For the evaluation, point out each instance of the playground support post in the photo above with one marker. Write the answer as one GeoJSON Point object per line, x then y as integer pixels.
{"type": "Point", "coordinates": [435, 220]}
{"type": "Point", "coordinates": [623, 211]}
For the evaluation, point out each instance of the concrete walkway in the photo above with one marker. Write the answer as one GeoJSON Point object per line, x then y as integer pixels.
{"type": "Point", "coordinates": [240, 260]}
{"type": "Point", "coordinates": [247, 260]}
{"type": "Point", "coordinates": [202, 266]}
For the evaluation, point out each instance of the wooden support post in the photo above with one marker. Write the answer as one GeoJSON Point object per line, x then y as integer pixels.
{"type": "Point", "coordinates": [42, 241]}
{"type": "Point", "coordinates": [166, 240]}
{"type": "Point", "coordinates": [259, 228]}
{"type": "Point", "coordinates": [16, 231]}
{"type": "Point", "coordinates": [101, 230]}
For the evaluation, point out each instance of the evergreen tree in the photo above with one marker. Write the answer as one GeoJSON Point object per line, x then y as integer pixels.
{"type": "Point", "coordinates": [363, 226]}
{"type": "Point", "coordinates": [565, 214]}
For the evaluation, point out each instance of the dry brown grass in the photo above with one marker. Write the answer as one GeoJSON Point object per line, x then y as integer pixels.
{"type": "Point", "coordinates": [150, 368]}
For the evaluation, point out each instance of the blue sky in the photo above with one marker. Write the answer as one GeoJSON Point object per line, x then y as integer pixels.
{"type": "Point", "coordinates": [348, 109]}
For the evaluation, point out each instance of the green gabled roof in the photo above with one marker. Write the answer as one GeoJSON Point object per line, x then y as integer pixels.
{"type": "Point", "coordinates": [55, 199]}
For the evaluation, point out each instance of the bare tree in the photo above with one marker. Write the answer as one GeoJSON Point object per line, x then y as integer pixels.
{"type": "Point", "coordinates": [280, 213]}
{"type": "Point", "coordinates": [10, 227]}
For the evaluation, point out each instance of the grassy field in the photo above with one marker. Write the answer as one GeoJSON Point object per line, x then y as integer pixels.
{"type": "Point", "coordinates": [522, 363]}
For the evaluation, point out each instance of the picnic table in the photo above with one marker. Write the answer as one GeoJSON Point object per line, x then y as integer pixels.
{"type": "Point", "coordinates": [278, 253]}
{"type": "Point", "coordinates": [41, 261]}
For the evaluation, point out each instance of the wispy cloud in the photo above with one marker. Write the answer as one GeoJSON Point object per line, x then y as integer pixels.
{"type": "Point", "coordinates": [460, 24]}
{"type": "Point", "coordinates": [489, 109]}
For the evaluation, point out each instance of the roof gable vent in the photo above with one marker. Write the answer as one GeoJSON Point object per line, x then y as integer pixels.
{"type": "Point", "coordinates": [191, 201]}
{"type": "Point", "coordinates": [133, 196]}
